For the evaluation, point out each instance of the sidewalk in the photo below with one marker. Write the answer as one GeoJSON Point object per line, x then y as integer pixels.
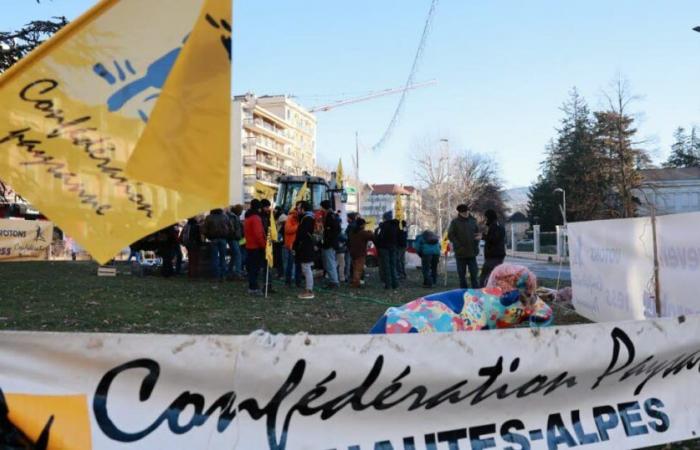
{"type": "Point", "coordinates": [538, 257]}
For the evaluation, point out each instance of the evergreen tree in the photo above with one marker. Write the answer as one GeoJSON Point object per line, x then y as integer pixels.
{"type": "Point", "coordinates": [572, 164]}
{"type": "Point", "coordinates": [14, 45]}
{"type": "Point", "coordinates": [543, 204]}
{"type": "Point", "coordinates": [685, 150]}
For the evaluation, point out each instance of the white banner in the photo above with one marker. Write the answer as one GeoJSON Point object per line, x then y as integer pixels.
{"type": "Point", "coordinates": [612, 267]}
{"type": "Point", "coordinates": [24, 239]}
{"type": "Point", "coordinates": [679, 263]}
{"type": "Point", "coordinates": [598, 386]}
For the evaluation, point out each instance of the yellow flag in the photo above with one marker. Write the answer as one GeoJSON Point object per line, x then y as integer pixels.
{"type": "Point", "coordinates": [271, 237]}
{"type": "Point", "coordinates": [301, 195]}
{"type": "Point", "coordinates": [186, 146]}
{"type": "Point", "coordinates": [339, 174]}
{"type": "Point", "coordinates": [398, 210]}
{"type": "Point", "coordinates": [73, 112]}
{"type": "Point", "coordinates": [444, 244]}
{"type": "Point", "coordinates": [262, 191]}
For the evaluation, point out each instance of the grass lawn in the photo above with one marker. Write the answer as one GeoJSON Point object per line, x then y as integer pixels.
{"type": "Point", "coordinates": [68, 296]}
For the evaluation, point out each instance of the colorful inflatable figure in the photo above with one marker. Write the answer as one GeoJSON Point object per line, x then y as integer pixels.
{"type": "Point", "coordinates": [508, 300]}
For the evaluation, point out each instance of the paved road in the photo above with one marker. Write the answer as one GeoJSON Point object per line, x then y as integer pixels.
{"type": "Point", "coordinates": [542, 269]}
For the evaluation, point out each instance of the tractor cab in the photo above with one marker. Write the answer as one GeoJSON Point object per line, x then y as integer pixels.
{"type": "Point", "coordinates": [289, 186]}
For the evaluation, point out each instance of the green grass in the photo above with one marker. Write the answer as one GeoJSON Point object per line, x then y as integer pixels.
{"type": "Point", "coordinates": [69, 296]}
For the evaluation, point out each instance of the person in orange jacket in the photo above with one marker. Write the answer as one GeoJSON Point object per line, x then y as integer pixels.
{"type": "Point", "coordinates": [290, 234]}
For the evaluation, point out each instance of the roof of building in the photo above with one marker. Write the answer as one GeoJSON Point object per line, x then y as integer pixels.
{"type": "Point", "coordinates": [671, 174]}
{"type": "Point", "coordinates": [392, 189]}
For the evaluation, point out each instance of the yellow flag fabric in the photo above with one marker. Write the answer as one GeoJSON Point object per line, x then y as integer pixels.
{"type": "Point", "coordinates": [186, 146]}
{"type": "Point", "coordinates": [339, 174]}
{"type": "Point", "coordinates": [398, 210]}
{"type": "Point", "coordinates": [73, 112]}
{"type": "Point", "coordinates": [445, 243]}
{"type": "Point", "coordinates": [301, 195]}
{"type": "Point", "coordinates": [263, 191]}
{"type": "Point", "coordinates": [271, 237]}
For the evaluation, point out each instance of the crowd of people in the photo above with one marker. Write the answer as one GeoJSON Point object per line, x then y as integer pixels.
{"type": "Point", "coordinates": [231, 244]}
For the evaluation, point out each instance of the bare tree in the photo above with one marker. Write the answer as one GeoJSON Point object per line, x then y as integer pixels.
{"type": "Point", "coordinates": [432, 174]}
{"type": "Point", "coordinates": [448, 178]}
{"type": "Point", "coordinates": [615, 133]}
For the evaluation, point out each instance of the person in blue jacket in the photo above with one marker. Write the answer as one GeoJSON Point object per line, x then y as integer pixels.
{"type": "Point", "coordinates": [427, 246]}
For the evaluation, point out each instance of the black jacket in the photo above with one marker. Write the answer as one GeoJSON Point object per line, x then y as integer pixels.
{"type": "Point", "coordinates": [387, 234]}
{"type": "Point", "coordinates": [331, 230]}
{"type": "Point", "coordinates": [304, 242]}
{"type": "Point", "coordinates": [495, 241]}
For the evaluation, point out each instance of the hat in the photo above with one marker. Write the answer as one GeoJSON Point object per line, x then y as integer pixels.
{"type": "Point", "coordinates": [388, 215]}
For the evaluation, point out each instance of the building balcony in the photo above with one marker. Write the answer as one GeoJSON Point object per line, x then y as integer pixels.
{"type": "Point", "coordinates": [249, 160]}
{"type": "Point", "coordinates": [270, 149]}
{"type": "Point", "coordinates": [269, 164]}
{"type": "Point", "coordinates": [264, 128]}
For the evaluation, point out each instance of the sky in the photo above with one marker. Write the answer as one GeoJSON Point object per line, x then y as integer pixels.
{"type": "Point", "coordinates": [503, 69]}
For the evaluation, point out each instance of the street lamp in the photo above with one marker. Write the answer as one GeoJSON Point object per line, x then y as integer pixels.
{"type": "Point", "coordinates": [449, 197]}
{"type": "Point", "coordinates": [562, 208]}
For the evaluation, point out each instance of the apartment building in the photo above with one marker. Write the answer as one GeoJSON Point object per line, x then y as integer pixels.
{"type": "Point", "coordinates": [270, 136]}
{"type": "Point", "coordinates": [382, 198]}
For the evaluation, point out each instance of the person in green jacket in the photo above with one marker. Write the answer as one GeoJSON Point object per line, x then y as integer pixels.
{"type": "Point", "coordinates": [427, 246]}
{"type": "Point", "coordinates": [464, 235]}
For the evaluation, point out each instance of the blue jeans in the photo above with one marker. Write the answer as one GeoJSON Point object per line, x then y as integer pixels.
{"type": "Point", "coordinates": [218, 257]}
{"type": "Point", "coordinates": [134, 254]}
{"type": "Point", "coordinates": [387, 266]}
{"type": "Point", "coordinates": [235, 264]}
{"type": "Point", "coordinates": [290, 266]}
{"type": "Point", "coordinates": [462, 264]}
{"type": "Point", "coordinates": [330, 264]}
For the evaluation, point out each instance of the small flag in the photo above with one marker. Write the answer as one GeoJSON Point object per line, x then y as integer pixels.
{"type": "Point", "coordinates": [263, 191]}
{"type": "Point", "coordinates": [271, 237]}
{"type": "Point", "coordinates": [398, 210]}
{"type": "Point", "coordinates": [445, 244]}
{"type": "Point", "coordinates": [339, 174]}
{"type": "Point", "coordinates": [75, 111]}
{"type": "Point", "coordinates": [301, 195]}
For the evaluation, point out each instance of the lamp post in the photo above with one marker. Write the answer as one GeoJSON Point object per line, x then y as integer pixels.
{"type": "Point", "coordinates": [562, 208]}
{"type": "Point", "coordinates": [446, 152]}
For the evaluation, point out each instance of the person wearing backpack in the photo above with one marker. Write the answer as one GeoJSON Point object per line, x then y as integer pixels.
{"type": "Point", "coordinates": [235, 264]}
{"type": "Point", "coordinates": [191, 238]}
{"type": "Point", "coordinates": [217, 229]}
{"type": "Point", "coordinates": [427, 246]}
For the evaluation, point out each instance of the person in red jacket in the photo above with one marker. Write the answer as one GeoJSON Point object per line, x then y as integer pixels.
{"type": "Point", "coordinates": [254, 233]}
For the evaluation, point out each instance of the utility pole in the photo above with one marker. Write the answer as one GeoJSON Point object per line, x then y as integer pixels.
{"type": "Point", "coordinates": [357, 170]}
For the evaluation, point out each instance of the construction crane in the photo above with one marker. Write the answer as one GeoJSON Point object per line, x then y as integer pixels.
{"type": "Point", "coordinates": [371, 96]}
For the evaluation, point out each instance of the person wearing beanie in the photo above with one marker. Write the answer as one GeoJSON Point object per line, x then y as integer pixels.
{"type": "Point", "coordinates": [463, 234]}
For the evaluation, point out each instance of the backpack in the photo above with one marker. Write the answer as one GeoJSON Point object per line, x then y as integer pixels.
{"type": "Point", "coordinates": [430, 238]}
